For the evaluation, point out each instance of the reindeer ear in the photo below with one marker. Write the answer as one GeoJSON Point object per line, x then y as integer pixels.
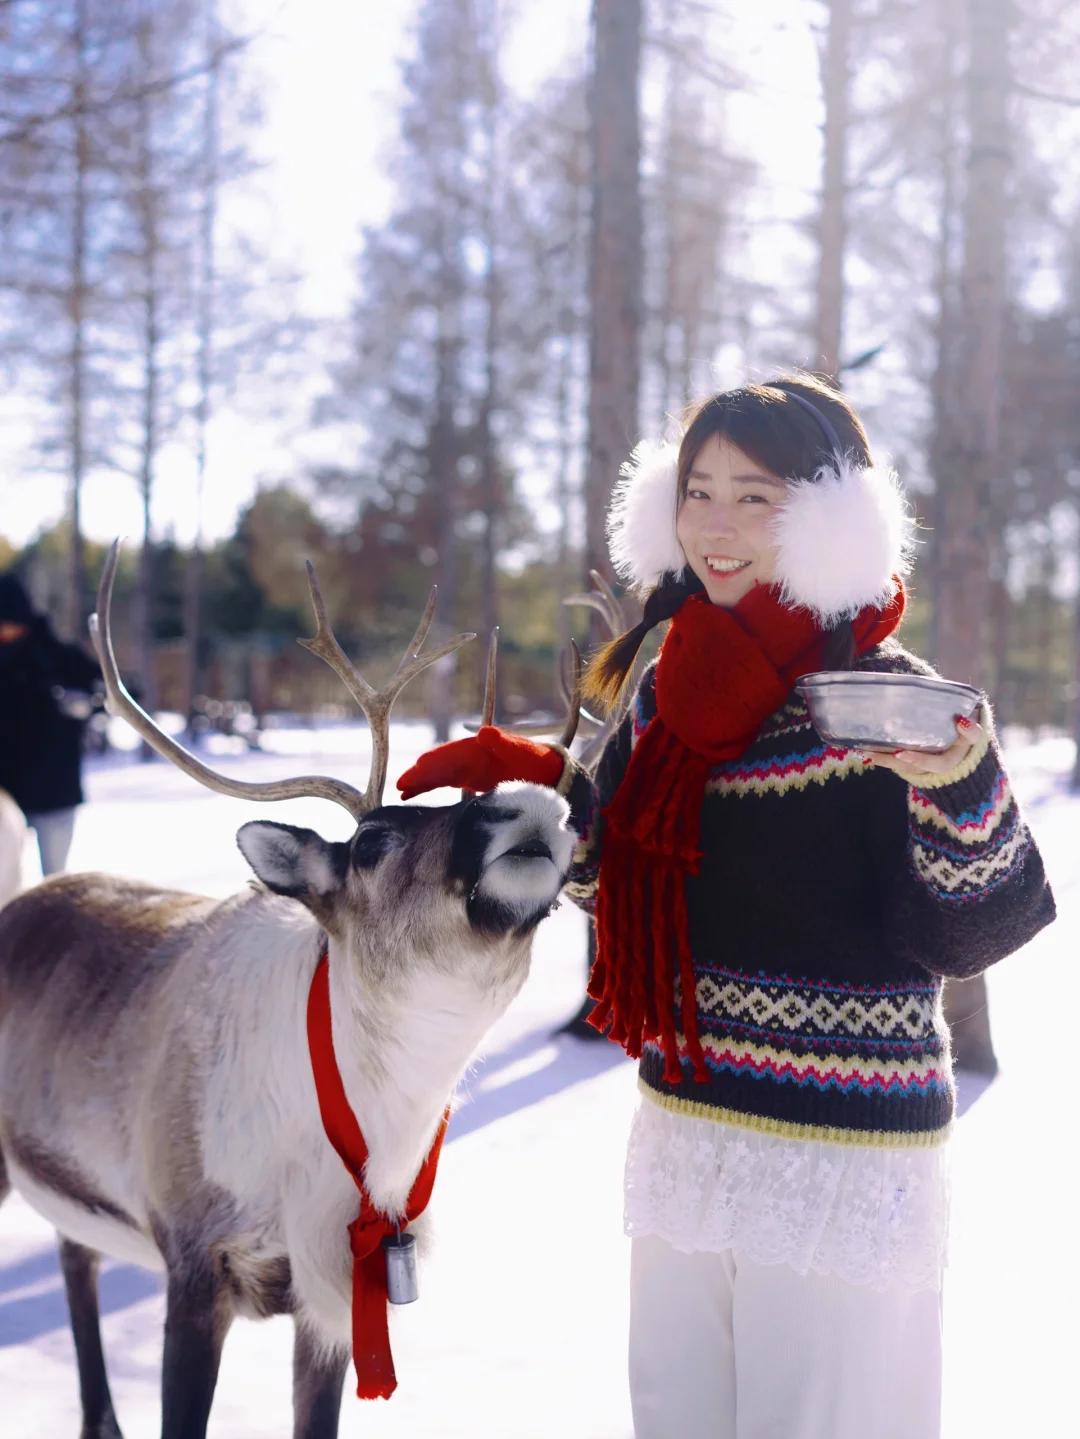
{"type": "Point", "coordinates": [292, 861]}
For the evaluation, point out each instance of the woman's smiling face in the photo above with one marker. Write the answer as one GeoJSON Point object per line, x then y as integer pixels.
{"type": "Point", "coordinates": [723, 521]}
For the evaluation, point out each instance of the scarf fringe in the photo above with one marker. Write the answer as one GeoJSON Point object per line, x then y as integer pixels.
{"type": "Point", "coordinates": [651, 845]}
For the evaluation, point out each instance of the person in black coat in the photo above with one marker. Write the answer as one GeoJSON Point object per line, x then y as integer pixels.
{"type": "Point", "coordinates": [46, 695]}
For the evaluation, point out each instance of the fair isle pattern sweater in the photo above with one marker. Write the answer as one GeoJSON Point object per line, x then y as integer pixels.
{"type": "Point", "coordinates": [831, 901]}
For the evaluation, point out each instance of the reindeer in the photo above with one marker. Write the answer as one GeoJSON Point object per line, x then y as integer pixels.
{"type": "Point", "coordinates": [157, 1100]}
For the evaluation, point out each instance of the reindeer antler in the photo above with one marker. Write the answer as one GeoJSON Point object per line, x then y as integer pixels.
{"type": "Point", "coordinates": [570, 691]}
{"type": "Point", "coordinates": [487, 707]}
{"type": "Point", "coordinates": [376, 704]}
{"type": "Point", "coordinates": [572, 696]}
{"type": "Point", "coordinates": [487, 710]}
{"type": "Point", "coordinates": [602, 599]}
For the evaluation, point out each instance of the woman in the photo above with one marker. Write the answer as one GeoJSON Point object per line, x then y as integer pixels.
{"type": "Point", "coordinates": [775, 917]}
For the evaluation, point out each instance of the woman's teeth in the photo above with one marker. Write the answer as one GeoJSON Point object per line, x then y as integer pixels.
{"type": "Point", "coordinates": [726, 567]}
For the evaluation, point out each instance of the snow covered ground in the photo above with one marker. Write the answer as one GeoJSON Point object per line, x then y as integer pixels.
{"type": "Point", "coordinates": [520, 1329]}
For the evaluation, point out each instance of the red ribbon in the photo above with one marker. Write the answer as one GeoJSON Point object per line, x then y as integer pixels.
{"type": "Point", "coordinates": [374, 1363]}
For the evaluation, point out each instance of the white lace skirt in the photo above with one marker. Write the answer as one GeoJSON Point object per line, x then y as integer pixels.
{"type": "Point", "coordinates": [871, 1216]}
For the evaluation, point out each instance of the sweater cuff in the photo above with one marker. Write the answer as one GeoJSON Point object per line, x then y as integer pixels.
{"type": "Point", "coordinates": [967, 766]}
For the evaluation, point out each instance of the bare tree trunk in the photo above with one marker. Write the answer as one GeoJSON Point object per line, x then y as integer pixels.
{"type": "Point", "coordinates": [965, 515]}
{"type": "Point", "coordinates": [193, 598]}
{"type": "Point", "coordinates": [489, 460]}
{"type": "Point", "coordinates": [832, 222]}
{"type": "Point", "coordinates": [945, 321]}
{"type": "Point", "coordinates": [616, 267]}
{"type": "Point", "coordinates": [562, 488]}
{"type": "Point", "coordinates": [1044, 635]}
{"type": "Point", "coordinates": [615, 262]}
{"type": "Point", "coordinates": [443, 461]}
{"type": "Point", "coordinates": [567, 394]}
{"type": "Point", "coordinates": [490, 480]}
{"type": "Point", "coordinates": [1076, 684]}
{"type": "Point", "coordinates": [668, 203]}
{"type": "Point", "coordinates": [967, 1014]}
{"type": "Point", "coordinates": [77, 607]}
{"type": "Point", "coordinates": [969, 429]}
{"type": "Point", "coordinates": [999, 601]}
{"type": "Point", "coordinates": [147, 202]}
{"type": "Point", "coordinates": [142, 605]}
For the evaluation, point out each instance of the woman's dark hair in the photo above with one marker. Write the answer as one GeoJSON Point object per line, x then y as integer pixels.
{"type": "Point", "coordinates": [782, 436]}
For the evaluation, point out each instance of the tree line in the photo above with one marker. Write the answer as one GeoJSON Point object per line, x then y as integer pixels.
{"type": "Point", "coordinates": [563, 270]}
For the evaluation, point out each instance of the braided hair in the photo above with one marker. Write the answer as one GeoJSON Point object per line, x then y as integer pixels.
{"type": "Point", "coordinates": [612, 664]}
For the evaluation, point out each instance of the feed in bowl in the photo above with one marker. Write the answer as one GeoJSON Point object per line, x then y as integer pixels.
{"type": "Point", "coordinates": [858, 709]}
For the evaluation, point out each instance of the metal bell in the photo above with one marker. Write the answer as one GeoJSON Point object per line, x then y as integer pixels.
{"type": "Point", "coordinates": [400, 1251]}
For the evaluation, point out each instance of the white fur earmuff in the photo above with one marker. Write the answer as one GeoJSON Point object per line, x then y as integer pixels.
{"type": "Point", "coordinates": [840, 537]}
{"type": "Point", "coordinates": [641, 518]}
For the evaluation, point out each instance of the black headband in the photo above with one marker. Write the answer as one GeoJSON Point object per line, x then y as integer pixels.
{"type": "Point", "coordinates": [826, 424]}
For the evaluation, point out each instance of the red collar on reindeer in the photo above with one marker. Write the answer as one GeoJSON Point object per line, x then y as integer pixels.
{"type": "Point", "coordinates": [375, 1378]}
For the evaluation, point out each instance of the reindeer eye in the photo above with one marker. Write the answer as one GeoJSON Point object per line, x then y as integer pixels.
{"type": "Point", "coordinates": [373, 844]}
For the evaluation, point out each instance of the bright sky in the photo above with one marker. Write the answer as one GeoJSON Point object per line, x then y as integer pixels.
{"type": "Point", "coordinates": [329, 75]}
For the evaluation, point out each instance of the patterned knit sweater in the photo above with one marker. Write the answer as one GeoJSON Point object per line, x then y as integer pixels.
{"type": "Point", "coordinates": [831, 901]}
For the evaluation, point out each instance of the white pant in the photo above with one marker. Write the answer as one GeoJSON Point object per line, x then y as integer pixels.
{"type": "Point", "coordinates": [54, 831]}
{"type": "Point", "coordinates": [722, 1348]}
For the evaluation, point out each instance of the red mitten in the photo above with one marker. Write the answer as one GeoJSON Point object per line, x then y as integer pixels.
{"type": "Point", "coordinates": [481, 762]}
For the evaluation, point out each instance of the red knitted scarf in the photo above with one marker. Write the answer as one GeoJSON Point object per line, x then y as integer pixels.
{"type": "Point", "coordinates": [721, 673]}
{"type": "Point", "coordinates": [374, 1363]}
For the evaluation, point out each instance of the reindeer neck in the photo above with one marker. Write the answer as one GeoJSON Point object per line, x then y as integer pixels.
{"type": "Point", "coordinates": [400, 1058]}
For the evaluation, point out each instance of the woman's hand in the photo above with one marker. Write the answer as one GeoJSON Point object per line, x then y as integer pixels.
{"type": "Point", "coordinates": [914, 765]}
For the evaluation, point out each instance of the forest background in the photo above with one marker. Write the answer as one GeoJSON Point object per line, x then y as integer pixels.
{"type": "Point", "coordinates": [569, 242]}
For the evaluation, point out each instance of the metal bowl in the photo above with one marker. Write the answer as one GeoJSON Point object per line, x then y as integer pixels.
{"type": "Point", "coordinates": [862, 710]}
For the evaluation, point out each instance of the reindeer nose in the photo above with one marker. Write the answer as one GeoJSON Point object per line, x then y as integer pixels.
{"type": "Point", "coordinates": [512, 849]}
{"type": "Point", "coordinates": [534, 848]}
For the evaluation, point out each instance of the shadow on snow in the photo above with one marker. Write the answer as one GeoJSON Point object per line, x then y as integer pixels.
{"type": "Point", "coordinates": [29, 1316]}
{"type": "Point", "coordinates": [537, 1067]}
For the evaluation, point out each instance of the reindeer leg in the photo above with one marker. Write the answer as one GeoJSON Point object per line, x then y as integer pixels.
{"type": "Point", "coordinates": [198, 1312]}
{"type": "Point", "coordinates": [80, 1268]}
{"type": "Point", "coordinates": [318, 1377]}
